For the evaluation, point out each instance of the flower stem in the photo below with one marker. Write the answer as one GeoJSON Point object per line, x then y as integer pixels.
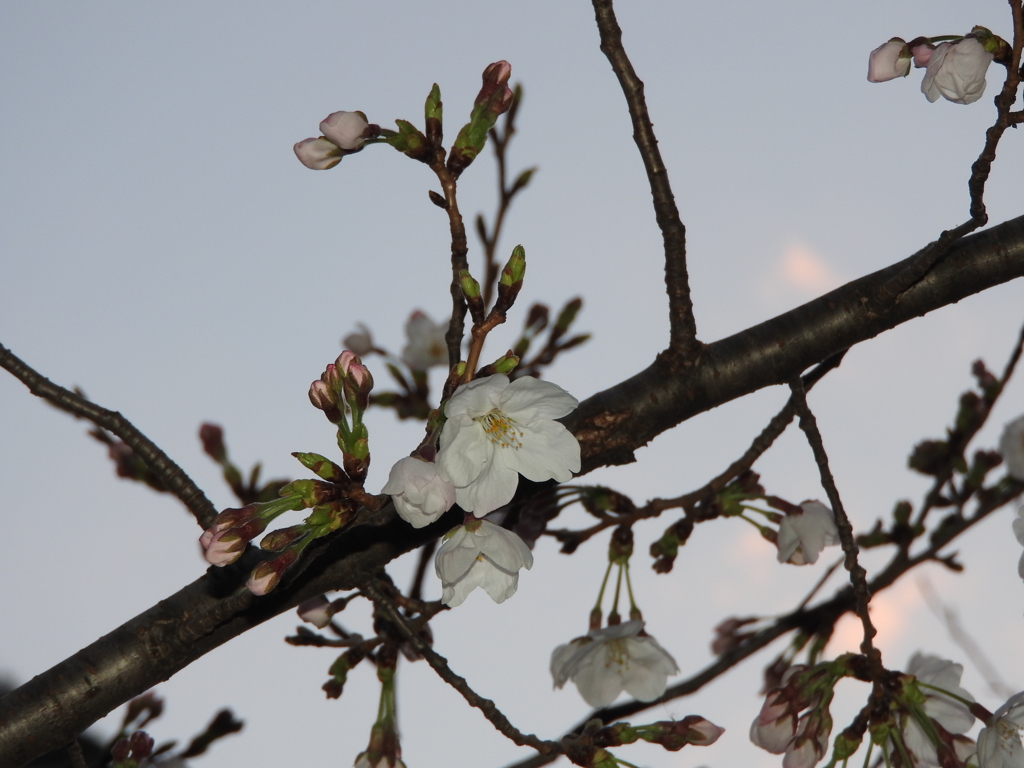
{"type": "Point", "coordinates": [604, 583]}
{"type": "Point", "coordinates": [634, 612]}
{"type": "Point", "coordinates": [618, 589]}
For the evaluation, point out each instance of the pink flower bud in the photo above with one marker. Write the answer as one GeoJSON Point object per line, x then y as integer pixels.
{"type": "Point", "coordinates": [707, 733]}
{"type": "Point", "coordinates": [345, 361]}
{"type": "Point", "coordinates": [495, 91]}
{"type": "Point", "coordinates": [321, 396]}
{"type": "Point", "coordinates": [889, 61]}
{"type": "Point", "coordinates": [318, 154]}
{"type": "Point", "coordinates": [212, 437]}
{"type": "Point", "coordinates": [316, 611]}
{"type": "Point", "coordinates": [224, 548]}
{"type": "Point", "coordinates": [922, 54]}
{"type": "Point", "coordinates": [267, 574]}
{"type": "Point", "coordinates": [345, 129]}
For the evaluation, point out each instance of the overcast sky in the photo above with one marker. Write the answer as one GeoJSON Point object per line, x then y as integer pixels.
{"type": "Point", "coordinates": [164, 250]}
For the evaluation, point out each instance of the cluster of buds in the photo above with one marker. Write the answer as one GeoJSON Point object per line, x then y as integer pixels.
{"type": "Point", "coordinates": [343, 134]}
{"type": "Point", "coordinates": [795, 719]}
{"type": "Point", "coordinates": [955, 65]}
{"type": "Point", "coordinates": [343, 393]}
{"type": "Point", "coordinates": [232, 530]}
{"type": "Point", "coordinates": [132, 751]}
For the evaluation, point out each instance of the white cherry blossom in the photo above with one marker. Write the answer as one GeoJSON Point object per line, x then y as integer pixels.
{"type": "Point", "coordinates": [497, 430]}
{"type": "Point", "coordinates": [420, 496]}
{"type": "Point", "coordinates": [951, 714]}
{"type": "Point", "coordinates": [956, 71]}
{"type": "Point", "coordinates": [889, 61]}
{"type": "Point", "coordinates": [605, 662]}
{"type": "Point", "coordinates": [480, 554]}
{"type": "Point", "coordinates": [1011, 446]}
{"type": "Point", "coordinates": [999, 742]}
{"type": "Point", "coordinates": [802, 535]}
{"type": "Point", "coordinates": [1018, 530]}
{"type": "Point", "coordinates": [427, 347]}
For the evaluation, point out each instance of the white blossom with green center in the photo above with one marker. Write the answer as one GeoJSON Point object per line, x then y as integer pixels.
{"type": "Point", "coordinates": [497, 430]}
{"type": "Point", "coordinates": [605, 662]}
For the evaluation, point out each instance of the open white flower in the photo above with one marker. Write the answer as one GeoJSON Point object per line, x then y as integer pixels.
{"type": "Point", "coordinates": [480, 554]}
{"type": "Point", "coordinates": [951, 714]}
{"type": "Point", "coordinates": [420, 496]}
{"type": "Point", "coordinates": [1011, 446]}
{"type": "Point", "coordinates": [498, 430]}
{"type": "Point", "coordinates": [802, 535]}
{"type": "Point", "coordinates": [999, 742]}
{"type": "Point", "coordinates": [427, 347]}
{"type": "Point", "coordinates": [956, 71]}
{"type": "Point", "coordinates": [605, 662]}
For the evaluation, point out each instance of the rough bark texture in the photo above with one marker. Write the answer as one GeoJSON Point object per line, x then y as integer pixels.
{"type": "Point", "coordinates": [51, 709]}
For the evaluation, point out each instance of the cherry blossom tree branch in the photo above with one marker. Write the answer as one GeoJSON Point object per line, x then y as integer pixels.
{"type": "Point", "coordinates": [460, 251]}
{"type": "Point", "coordinates": [612, 424]}
{"type": "Point", "coordinates": [682, 324]}
{"type": "Point", "coordinates": [47, 712]}
{"type": "Point", "coordinates": [440, 665]}
{"type": "Point", "coordinates": [170, 474]}
{"type": "Point", "coordinates": [858, 576]}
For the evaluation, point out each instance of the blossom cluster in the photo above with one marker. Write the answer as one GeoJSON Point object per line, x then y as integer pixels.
{"type": "Point", "coordinates": [494, 431]}
{"type": "Point", "coordinates": [954, 70]}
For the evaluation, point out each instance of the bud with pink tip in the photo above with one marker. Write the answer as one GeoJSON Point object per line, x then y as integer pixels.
{"type": "Point", "coordinates": [267, 574]}
{"type": "Point", "coordinates": [316, 611]}
{"type": "Point", "coordinates": [922, 54]}
{"type": "Point", "coordinates": [347, 130]}
{"type": "Point", "coordinates": [495, 92]}
{"type": "Point", "coordinates": [318, 154]}
{"type": "Point", "coordinates": [889, 61]}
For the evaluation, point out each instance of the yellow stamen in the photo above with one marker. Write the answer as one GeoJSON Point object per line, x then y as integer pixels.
{"type": "Point", "coordinates": [500, 430]}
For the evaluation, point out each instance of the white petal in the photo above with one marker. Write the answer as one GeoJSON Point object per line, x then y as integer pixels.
{"type": "Point", "coordinates": [478, 397]}
{"type": "Point", "coordinates": [453, 595]}
{"type": "Point", "coordinates": [465, 451]}
{"type": "Point", "coordinates": [548, 452]}
{"type": "Point", "coordinates": [494, 487]}
{"type": "Point", "coordinates": [598, 679]}
{"type": "Point", "coordinates": [504, 548]}
{"type": "Point", "coordinates": [528, 399]}
{"type": "Point", "coordinates": [496, 582]}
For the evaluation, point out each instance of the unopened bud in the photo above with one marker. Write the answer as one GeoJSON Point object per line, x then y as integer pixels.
{"type": "Point", "coordinates": [212, 437]}
{"type": "Point", "coordinates": [141, 744]}
{"type": "Point", "coordinates": [316, 611]}
{"type": "Point", "coordinates": [267, 574]}
{"type": "Point", "coordinates": [506, 364]}
{"type": "Point", "coordinates": [620, 548]}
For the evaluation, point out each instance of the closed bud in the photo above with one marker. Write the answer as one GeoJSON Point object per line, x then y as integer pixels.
{"type": "Point", "coordinates": [267, 574]}
{"type": "Point", "coordinates": [282, 538]}
{"type": "Point", "coordinates": [212, 437]}
{"type": "Point", "coordinates": [506, 364]}
{"type": "Point", "coordinates": [514, 270]}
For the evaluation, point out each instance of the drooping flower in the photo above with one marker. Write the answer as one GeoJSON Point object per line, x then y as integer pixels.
{"type": "Point", "coordinates": [802, 535]}
{"type": "Point", "coordinates": [360, 341]}
{"type": "Point", "coordinates": [956, 71]}
{"type": "Point", "coordinates": [889, 61]}
{"type": "Point", "coordinates": [343, 134]}
{"type": "Point", "coordinates": [427, 347]}
{"type": "Point", "coordinates": [480, 554]}
{"type": "Point", "coordinates": [953, 715]}
{"type": "Point", "coordinates": [999, 741]}
{"type": "Point", "coordinates": [420, 496]}
{"type": "Point", "coordinates": [497, 430]}
{"type": "Point", "coordinates": [605, 662]}
{"type": "Point", "coordinates": [1011, 446]}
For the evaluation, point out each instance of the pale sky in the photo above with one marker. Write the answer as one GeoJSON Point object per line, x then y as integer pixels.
{"type": "Point", "coordinates": [164, 250]}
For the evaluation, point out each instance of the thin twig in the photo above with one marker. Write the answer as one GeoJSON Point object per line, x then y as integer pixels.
{"type": "Point", "coordinates": [951, 619]}
{"type": "Point", "coordinates": [858, 576]}
{"type": "Point", "coordinates": [169, 473]}
{"type": "Point", "coordinates": [426, 553]}
{"type": "Point", "coordinates": [923, 261]}
{"type": "Point", "coordinates": [440, 665]}
{"type": "Point", "coordinates": [74, 750]}
{"type": "Point", "coordinates": [682, 325]}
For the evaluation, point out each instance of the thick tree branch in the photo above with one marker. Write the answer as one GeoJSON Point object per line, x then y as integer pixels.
{"type": "Point", "coordinates": [47, 712]}
{"type": "Point", "coordinates": [171, 475]}
{"type": "Point", "coordinates": [612, 424]}
{"type": "Point", "coordinates": [682, 325]}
